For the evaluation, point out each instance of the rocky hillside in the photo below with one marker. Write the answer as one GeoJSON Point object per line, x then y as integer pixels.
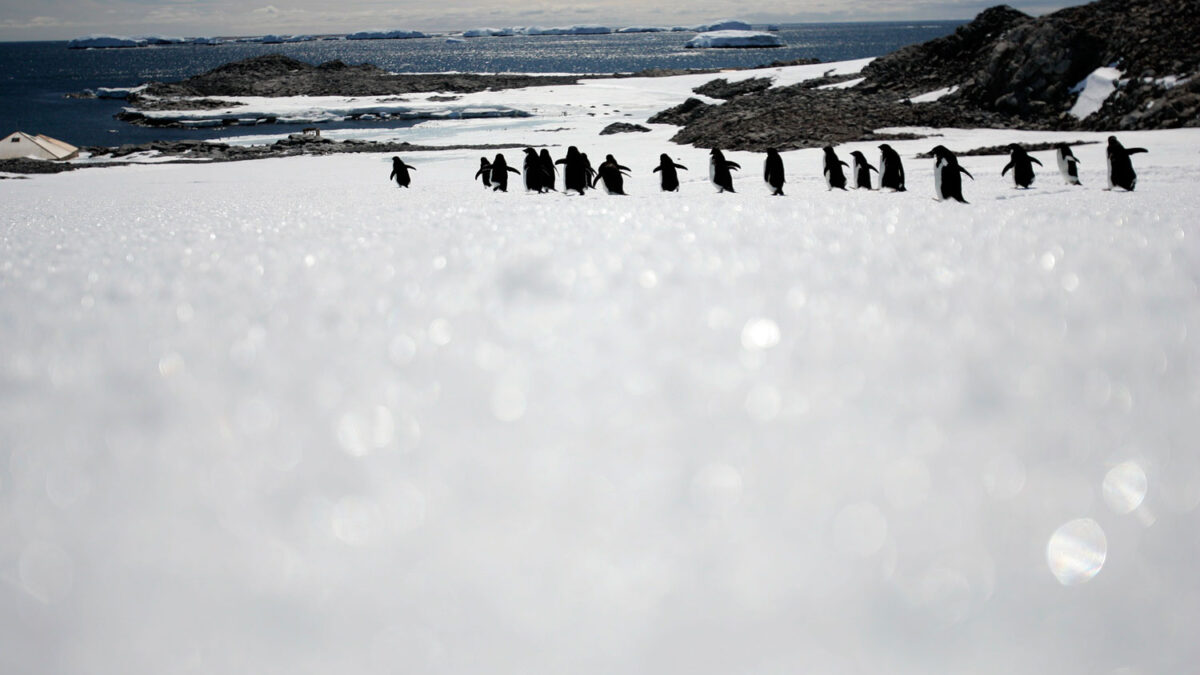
{"type": "Point", "coordinates": [1010, 69]}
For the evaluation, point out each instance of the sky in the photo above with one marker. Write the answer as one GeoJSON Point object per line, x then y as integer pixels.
{"type": "Point", "coordinates": [66, 19]}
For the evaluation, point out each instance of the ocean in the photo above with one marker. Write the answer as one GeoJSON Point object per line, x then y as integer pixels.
{"type": "Point", "coordinates": [36, 77]}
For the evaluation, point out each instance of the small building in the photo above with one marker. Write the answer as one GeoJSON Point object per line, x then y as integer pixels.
{"type": "Point", "coordinates": [20, 144]}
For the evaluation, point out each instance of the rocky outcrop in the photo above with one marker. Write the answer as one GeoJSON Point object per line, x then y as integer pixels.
{"type": "Point", "coordinates": [682, 114]}
{"type": "Point", "coordinates": [798, 117]}
{"type": "Point", "coordinates": [724, 89]}
{"type": "Point", "coordinates": [622, 128]}
{"type": "Point", "coordinates": [1008, 70]}
{"type": "Point", "coordinates": [279, 75]}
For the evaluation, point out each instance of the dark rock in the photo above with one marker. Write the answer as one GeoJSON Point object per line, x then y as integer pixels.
{"type": "Point", "coordinates": [682, 114]}
{"type": "Point", "coordinates": [622, 128]}
{"type": "Point", "coordinates": [279, 75]}
{"type": "Point", "coordinates": [724, 89]}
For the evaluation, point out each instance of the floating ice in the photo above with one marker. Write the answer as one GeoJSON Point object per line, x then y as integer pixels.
{"type": "Point", "coordinates": [734, 39]}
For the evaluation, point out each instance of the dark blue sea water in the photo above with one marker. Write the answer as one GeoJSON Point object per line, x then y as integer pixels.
{"type": "Point", "coordinates": [35, 77]}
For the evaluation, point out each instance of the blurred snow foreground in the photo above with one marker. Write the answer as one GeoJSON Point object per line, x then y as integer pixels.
{"type": "Point", "coordinates": [284, 417]}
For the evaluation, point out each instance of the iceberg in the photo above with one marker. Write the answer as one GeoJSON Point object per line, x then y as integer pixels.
{"type": "Point", "coordinates": [104, 42]}
{"type": "Point", "coordinates": [642, 29]}
{"type": "Point", "coordinates": [741, 39]}
{"type": "Point", "coordinates": [385, 35]}
{"type": "Point", "coordinates": [489, 32]}
{"type": "Point", "coordinates": [271, 39]}
{"type": "Point", "coordinates": [163, 40]}
{"type": "Point", "coordinates": [709, 27]}
{"type": "Point", "coordinates": [207, 41]}
{"type": "Point", "coordinates": [569, 30]}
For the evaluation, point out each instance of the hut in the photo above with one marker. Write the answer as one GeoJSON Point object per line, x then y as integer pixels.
{"type": "Point", "coordinates": [20, 144]}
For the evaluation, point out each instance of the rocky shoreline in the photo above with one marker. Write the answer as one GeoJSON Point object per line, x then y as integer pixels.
{"type": "Point", "coordinates": [1005, 69]}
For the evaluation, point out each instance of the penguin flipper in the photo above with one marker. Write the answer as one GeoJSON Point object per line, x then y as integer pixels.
{"type": "Point", "coordinates": [1134, 151]}
{"type": "Point", "coordinates": [968, 174]}
{"type": "Point", "coordinates": [734, 165]}
{"type": "Point", "coordinates": [513, 170]}
{"type": "Point", "coordinates": [1035, 161]}
{"type": "Point", "coordinates": [680, 166]}
{"type": "Point", "coordinates": [1006, 168]}
{"type": "Point", "coordinates": [656, 169]}
{"type": "Point", "coordinates": [872, 168]}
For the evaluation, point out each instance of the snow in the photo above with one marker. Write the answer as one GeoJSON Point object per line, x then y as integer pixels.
{"type": "Point", "coordinates": [735, 39]}
{"type": "Point", "coordinates": [385, 35]}
{"type": "Point", "coordinates": [1093, 91]}
{"type": "Point", "coordinates": [848, 84]}
{"type": "Point", "coordinates": [930, 97]}
{"type": "Point", "coordinates": [284, 417]}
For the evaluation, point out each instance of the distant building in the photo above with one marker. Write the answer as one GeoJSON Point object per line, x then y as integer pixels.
{"type": "Point", "coordinates": [20, 144]}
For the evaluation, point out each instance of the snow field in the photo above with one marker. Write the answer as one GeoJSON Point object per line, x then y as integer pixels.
{"type": "Point", "coordinates": [284, 417]}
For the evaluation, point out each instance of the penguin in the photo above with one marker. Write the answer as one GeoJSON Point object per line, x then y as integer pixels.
{"type": "Point", "coordinates": [834, 176]}
{"type": "Point", "coordinates": [947, 183]}
{"type": "Point", "coordinates": [548, 170]}
{"type": "Point", "coordinates": [500, 169]}
{"type": "Point", "coordinates": [773, 172]}
{"type": "Point", "coordinates": [1068, 164]}
{"type": "Point", "coordinates": [1022, 166]}
{"type": "Point", "coordinates": [718, 171]}
{"type": "Point", "coordinates": [610, 173]}
{"type": "Point", "coordinates": [400, 172]}
{"type": "Point", "coordinates": [575, 175]}
{"type": "Point", "coordinates": [670, 178]}
{"type": "Point", "coordinates": [891, 169]}
{"type": "Point", "coordinates": [1120, 169]}
{"type": "Point", "coordinates": [533, 171]}
{"type": "Point", "coordinates": [588, 171]}
{"type": "Point", "coordinates": [484, 172]}
{"type": "Point", "coordinates": [861, 169]}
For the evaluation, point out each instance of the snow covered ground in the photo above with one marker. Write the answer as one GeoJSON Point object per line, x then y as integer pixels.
{"type": "Point", "coordinates": [285, 417]}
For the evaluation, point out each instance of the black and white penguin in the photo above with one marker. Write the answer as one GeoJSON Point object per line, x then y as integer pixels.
{"type": "Point", "coordinates": [533, 171]}
{"type": "Point", "coordinates": [588, 171]}
{"type": "Point", "coordinates": [611, 174]}
{"type": "Point", "coordinates": [484, 172]}
{"type": "Point", "coordinates": [400, 172]}
{"type": "Point", "coordinates": [773, 172]}
{"type": "Point", "coordinates": [575, 171]}
{"type": "Point", "coordinates": [1021, 164]}
{"type": "Point", "coordinates": [834, 176]}
{"type": "Point", "coordinates": [861, 169]}
{"type": "Point", "coordinates": [548, 170]}
{"type": "Point", "coordinates": [947, 183]}
{"type": "Point", "coordinates": [1120, 168]}
{"type": "Point", "coordinates": [500, 170]}
{"type": "Point", "coordinates": [1068, 164]}
{"type": "Point", "coordinates": [891, 169]}
{"type": "Point", "coordinates": [718, 171]}
{"type": "Point", "coordinates": [667, 166]}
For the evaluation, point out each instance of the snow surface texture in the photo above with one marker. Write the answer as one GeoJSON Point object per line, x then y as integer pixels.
{"type": "Point", "coordinates": [1093, 91]}
{"type": "Point", "coordinates": [285, 417]}
{"type": "Point", "coordinates": [734, 39]}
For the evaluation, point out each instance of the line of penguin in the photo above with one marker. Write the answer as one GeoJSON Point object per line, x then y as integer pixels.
{"type": "Point", "coordinates": [541, 171]}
